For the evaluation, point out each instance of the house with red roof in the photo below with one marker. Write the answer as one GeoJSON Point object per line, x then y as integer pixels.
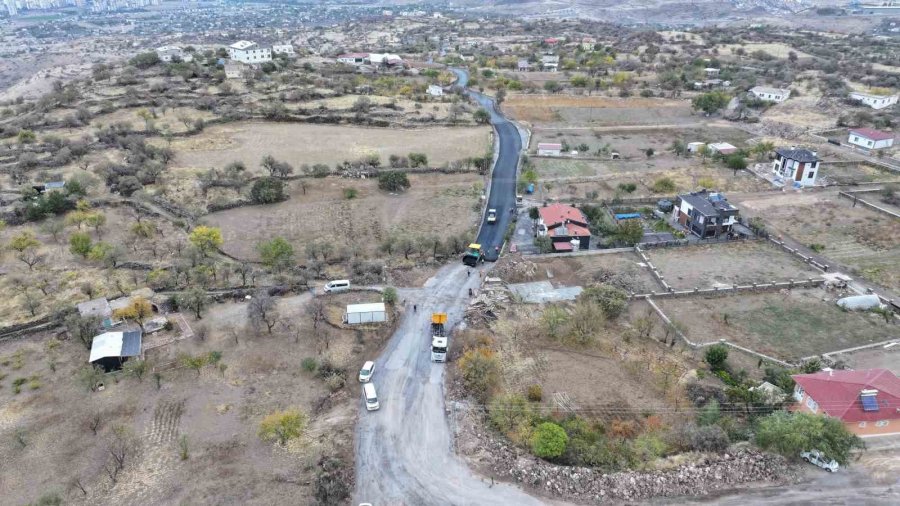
{"type": "Point", "coordinates": [869, 138]}
{"type": "Point", "coordinates": [867, 401]}
{"type": "Point", "coordinates": [566, 226]}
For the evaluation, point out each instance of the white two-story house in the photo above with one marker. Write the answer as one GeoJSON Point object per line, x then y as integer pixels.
{"type": "Point", "coordinates": [792, 165]}
{"type": "Point", "coordinates": [245, 51]}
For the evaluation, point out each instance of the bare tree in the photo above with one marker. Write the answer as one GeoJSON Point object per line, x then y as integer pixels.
{"type": "Point", "coordinates": [263, 310]}
{"type": "Point", "coordinates": [120, 447]}
{"type": "Point", "coordinates": [316, 310]}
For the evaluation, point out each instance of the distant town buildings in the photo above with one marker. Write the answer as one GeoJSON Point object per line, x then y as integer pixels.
{"type": "Point", "coordinates": [248, 52]}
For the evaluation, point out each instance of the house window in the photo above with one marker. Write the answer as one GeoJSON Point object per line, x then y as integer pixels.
{"type": "Point", "coordinates": [810, 175]}
{"type": "Point", "coordinates": [862, 425]}
{"type": "Point", "coordinates": [881, 423]}
{"type": "Point", "coordinates": [811, 404]}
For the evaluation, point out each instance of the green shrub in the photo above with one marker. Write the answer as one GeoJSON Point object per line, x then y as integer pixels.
{"type": "Point", "coordinates": [611, 299]}
{"type": "Point", "coordinates": [309, 364]}
{"type": "Point", "coordinates": [508, 413]}
{"type": "Point", "coordinates": [535, 393]}
{"type": "Point", "coordinates": [335, 382]}
{"type": "Point", "coordinates": [549, 440]}
{"type": "Point", "coordinates": [664, 185]}
{"type": "Point", "coordinates": [791, 433]}
{"type": "Point", "coordinates": [267, 190]}
{"type": "Point", "coordinates": [716, 356]}
{"type": "Point", "coordinates": [627, 187]}
{"type": "Point", "coordinates": [282, 426]}
{"type": "Point", "coordinates": [393, 181]}
{"type": "Point", "coordinates": [389, 296]}
{"type": "Point", "coordinates": [350, 193]}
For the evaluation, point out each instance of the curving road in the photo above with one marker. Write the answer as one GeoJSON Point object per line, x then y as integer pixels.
{"type": "Point", "coordinates": [404, 451]}
{"type": "Point", "coordinates": [502, 196]}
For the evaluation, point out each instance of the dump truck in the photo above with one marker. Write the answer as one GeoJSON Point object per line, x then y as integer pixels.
{"type": "Point", "coordinates": [438, 337]}
{"type": "Point", "coordinates": [473, 255]}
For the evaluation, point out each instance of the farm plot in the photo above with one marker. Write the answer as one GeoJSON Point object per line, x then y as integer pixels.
{"type": "Point", "coordinates": [863, 240]}
{"type": "Point", "coordinates": [624, 270]}
{"type": "Point", "coordinates": [598, 111]}
{"type": "Point", "coordinates": [578, 178]}
{"type": "Point", "coordinates": [788, 325]}
{"type": "Point", "coordinates": [300, 144]}
{"type": "Point", "coordinates": [633, 143]}
{"type": "Point", "coordinates": [722, 265]}
{"type": "Point", "coordinates": [439, 205]}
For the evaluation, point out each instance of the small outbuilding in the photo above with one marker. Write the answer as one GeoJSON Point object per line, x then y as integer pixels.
{"type": "Point", "coordinates": [549, 149]}
{"type": "Point", "coordinates": [365, 313]}
{"type": "Point", "coordinates": [434, 90]}
{"type": "Point", "coordinates": [112, 349]}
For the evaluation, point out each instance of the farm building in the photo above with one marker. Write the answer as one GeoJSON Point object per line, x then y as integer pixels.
{"type": "Point", "coordinates": [566, 226]}
{"type": "Point", "coordinates": [365, 313]}
{"type": "Point", "coordinates": [776, 95]}
{"type": "Point", "coordinates": [800, 166]}
{"type": "Point", "coordinates": [867, 401]}
{"type": "Point", "coordinates": [285, 49]}
{"type": "Point", "coordinates": [549, 149]}
{"type": "Point", "coordinates": [112, 349]}
{"type": "Point", "coordinates": [874, 101]}
{"type": "Point", "coordinates": [695, 147]}
{"type": "Point", "coordinates": [705, 214]}
{"type": "Point", "coordinates": [870, 138]}
{"type": "Point", "coordinates": [723, 148]}
{"type": "Point", "coordinates": [169, 54]}
{"type": "Point", "coordinates": [353, 58]}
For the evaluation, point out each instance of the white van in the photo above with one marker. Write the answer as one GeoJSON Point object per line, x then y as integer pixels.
{"type": "Point", "coordinates": [371, 397]}
{"type": "Point", "coordinates": [338, 285]}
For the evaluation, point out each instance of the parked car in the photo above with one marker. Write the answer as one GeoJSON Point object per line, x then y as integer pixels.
{"type": "Point", "coordinates": [492, 215]}
{"type": "Point", "coordinates": [816, 458]}
{"type": "Point", "coordinates": [371, 397]}
{"type": "Point", "coordinates": [338, 285]}
{"type": "Point", "coordinates": [365, 374]}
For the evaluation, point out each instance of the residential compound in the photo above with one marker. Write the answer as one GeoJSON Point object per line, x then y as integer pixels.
{"type": "Point", "coordinates": [798, 167]}
{"type": "Point", "coordinates": [248, 52]}
{"type": "Point", "coordinates": [867, 401]}
{"type": "Point", "coordinates": [705, 214]}
{"type": "Point", "coordinates": [566, 226]}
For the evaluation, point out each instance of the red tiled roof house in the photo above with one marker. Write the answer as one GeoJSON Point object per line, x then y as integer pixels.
{"type": "Point", "coordinates": [566, 226]}
{"type": "Point", "coordinates": [867, 401]}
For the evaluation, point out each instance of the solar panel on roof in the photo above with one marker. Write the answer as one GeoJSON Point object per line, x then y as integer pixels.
{"type": "Point", "coordinates": [869, 403]}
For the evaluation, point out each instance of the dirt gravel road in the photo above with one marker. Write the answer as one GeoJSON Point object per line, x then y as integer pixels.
{"type": "Point", "coordinates": [404, 451]}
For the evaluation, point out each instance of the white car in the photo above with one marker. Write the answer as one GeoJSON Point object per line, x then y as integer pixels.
{"type": "Point", "coordinates": [365, 374]}
{"type": "Point", "coordinates": [816, 458]}
{"type": "Point", "coordinates": [492, 215]}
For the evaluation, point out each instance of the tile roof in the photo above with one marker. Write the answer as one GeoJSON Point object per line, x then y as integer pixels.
{"type": "Point", "coordinates": [872, 134]}
{"type": "Point", "coordinates": [563, 246]}
{"type": "Point", "coordinates": [838, 393]}
{"type": "Point", "coordinates": [569, 230]}
{"type": "Point", "coordinates": [801, 155]}
{"type": "Point", "coordinates": [557, 214]}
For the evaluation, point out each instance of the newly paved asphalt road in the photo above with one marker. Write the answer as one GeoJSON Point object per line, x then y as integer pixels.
{"type": "Point", "coordinates": [502, 195]}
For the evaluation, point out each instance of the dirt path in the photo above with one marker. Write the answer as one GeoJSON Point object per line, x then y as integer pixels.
{"type": "Point", "coordinates": [404, 451]}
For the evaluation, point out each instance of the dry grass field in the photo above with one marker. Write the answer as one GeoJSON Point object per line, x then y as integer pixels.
{"type": "Point", "coordinates": [861, 239]}
{"type": "Point", "coordinates": [722, 265]}
{"type": "Point", "coordinates": [436, 205]}
{"type": "Point", "coordinates": [300, 144]}
{"type": "Point", "coordinates": [623, 269]}
{"type": "Point", "coordinates": [594, 110]}
{"type": "Point", "coordinates": [787, 325]}
{"type": "Point", "coordinates": [776, 49]}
